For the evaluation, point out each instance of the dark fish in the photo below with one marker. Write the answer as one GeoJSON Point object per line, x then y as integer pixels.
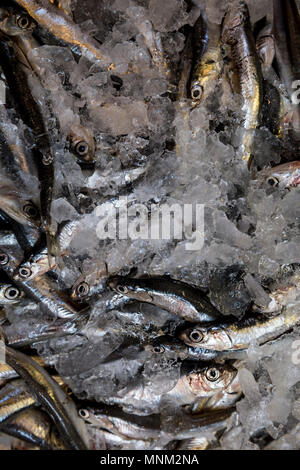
{"type": "Point", "coordinates": [50, 396]}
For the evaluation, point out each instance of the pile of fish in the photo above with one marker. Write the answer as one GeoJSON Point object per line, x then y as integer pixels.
{"type": "Point", "coordinates": [130, 342]}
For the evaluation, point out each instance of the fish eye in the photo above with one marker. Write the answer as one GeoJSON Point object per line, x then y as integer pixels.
{"type": "Point", "coordinates": [30, 211]}
{"type": "Point", "coordinates": [82, 148]}
{"type": "Point", "coordinates": [122, 289]}
{"type": "Point", "coordinates": [24, 21]}
{"type": "Point", "coordinates": [272, 181]}
{"type": "Point", "coordinates": [82, 289]}
{"type": "Point", "coordinates": [196, 92]}
{"type": "Point", "coordinates": [158, 349]}
{"type": "Point", "coordinates": [84, 413]}
{"type": "Point", "coordinates": [11, 293]}
{"type": "Point", "coordinates": [25, 272]}
{"type": "Point", "coordinates": [196, 336]}
{"type": "Point", "coordinates": [3, 259]}
{"type": "Point", "coordinates": [212, 374]}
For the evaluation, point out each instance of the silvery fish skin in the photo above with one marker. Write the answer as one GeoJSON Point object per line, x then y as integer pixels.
{"type": "Point", "coordinates": [237, 34]}
{"type": "Point", "coordinates": [285, 176]}
{"type": "Point", "coordinates": [61, 26]}
{"type": "Point", "coordinates": [14, 397]}
{"type": "Point", "coordinates": [265, 46]}
{"type": "Point", "coordinates": [41, 289]}
{"type": "Point", "coordinates": [9, 294]}
{"type": "Point", "coordinates": [238, 335]}
{"type": "Point", "coordinates": [16, 205]}
{"type": "Point", "coordinates": [39, 263]}
{"type": "Point", "coordinates": [203, 383]}
{"type": "Point", "coordinates": [176, 297]}
{"type": "Point", "coordinates": [51, 397]}
{"type": "Point", "coordinates": [170, 347]}
{"type": "Point", "coordinates": [208, 60]}
{"type": "Point", "coordinates": [286, 23]}
{"type": "Point", "coordinates": [35, 427]}
{"type": "Point", "coordinates": [6, 373]}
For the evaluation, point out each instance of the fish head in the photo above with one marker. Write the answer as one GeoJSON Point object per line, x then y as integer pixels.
{"type": "Point", "coordinates": [127, 287]}
{"type": "Point", "coordinates": [210, 380]}
{"type": "Point", "coordinates": [234, 19]}
{"type": "Point", "coordinates": [80, 290]}
{"type": "Point", "coordinates": [286, 176]}
{"type": "Point", "coordinates": [16, 23]}
{"type": "Point", "coordinates": [196, 92]}
{"type": "Point", "coordinates": [213, 338]}
{"type": "Point", "coordinates": [9, 294]}
{"type": "Point", "coordinates": [82, 143]}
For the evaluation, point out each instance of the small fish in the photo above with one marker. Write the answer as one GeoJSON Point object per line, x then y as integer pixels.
{"type": "Point", "coordinates": [171, 347]}
{"type": "Point", "coordinates": [61, 26]}
{"type": "Point", "coordinates": [265, 46]}
{"type": "Point", "coordinates": [6, 373]}
{"type": "Point", "coordinates": [9, 294]}
{"type": "Point", "coordinates": [201, 381]}
{"type": "Point", "coordinates": [51, 397]}
{"type": "Point", "coordinates": [35, 427]}
{"type": "Point", "coordinates": [176, 297]}
{"type": "Point", "coordinates": [39, 263]}
{"type": "Point", "coordinates": [208, 60]}
{"type": "Point", "coordinates": [286, 25]}
{"type": "Point", "coordinates": [15, 396]}
{"type": "Point", "coordinates": [238, 335]}
{"type": "Point", "coordinates": [285, 176]}
{"type": "Point", "coordinates": [15, 22]}
{"type": "Point", "coordinates": [82, 143]}
{"type": "Point", "coordinates": [236, 32]}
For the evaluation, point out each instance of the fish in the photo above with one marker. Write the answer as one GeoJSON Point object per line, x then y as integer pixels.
{"type": "Point", "coordinates": [37, 264]}
{"type": "Point", "coordinates": [15, 22]}
{"type": "Point", "coordinates": [286, 26]}
{"type": "Point", "coordinates": [82, 143]}
{"type": "Point", "coordinates": [9, 294]}
{"type": "Point", "coordinates": [14, 397]}
{"type": "Point", "coordinates": [207, 58]}
{"type": "Point", "coordinates": [199, 381]}
{"type": "Point", "coordinates": [41, 289]}
{"type": "Point", "coordinates": [176, 297]}
{"type": "Point", "coordinates": [236, 32]}
{"type": "Point", "coordinates": [285, 176]}
{"type": "Point", "coordinates": [49, 395]}
{"type": "Point", "coordinates": [62, 27]}
{"type": "Point", "coordinates": [265, 46]}
{"type": "Point", "coordinates": [174, 348]}
{"type": "Point", "coordinates": [17, 78]}
{"type": "Point", "coordinates": [6, 373]}
{"type": "Point", "coordinates": [64, 5]}
{"type": "Point", "coordinates": [35, 427]}
{"type": "Point", "coordinates": [239, 335]}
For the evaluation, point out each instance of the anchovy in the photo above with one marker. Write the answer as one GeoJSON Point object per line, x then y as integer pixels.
{"type": "Point", "coordinates": [202, 382]}
{"type": "Point", "coordinates": [176, 297]}
{"type": "Point", "coordinates": [62, 27]}
{"type": "Point", "coordinates": [239, 335]}
{"type": "Point", "coordinates": [287, 45]}
{"type": "Point", "coordinates": [35, 427]}
{"type": "Point", "coordinates": [237, 34]}
{"type": "Point", "coordinates": [208, 59]}
{"type": "Point", "coordinates": [14, 397]}
{"type": "Point", "coordinates": [285, 176]}
{"type": "Point", "coordinates": [171, 347]}
{"type": "Point", "coordinates": [50, 396]}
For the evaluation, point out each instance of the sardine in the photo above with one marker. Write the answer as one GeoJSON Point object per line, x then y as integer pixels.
{"type": "Point", "coordinates": [173, 348]}
{"type": "Point", "coordinates": [15, 396]}
{"type": "Point", "coordinates": [285, 176]}
{"type": "Point", "coordinates": [51, 397]}
{"type": "Point", "coordinates": [9, 294]}
{"type": "Point", "coordinates": [237, 34]}
{"type": "Point", "coordinates": [239, 335]}
{"type": "Point", "coordinates": [35, 427]}
{"type": "Point", "coordinates": [265, 46]}
{"type": "Point", "coordinates": [198, 382]}
{"type": "Point", "coordinates": [286, 24]}
{"type": "Point", "coordinates": [176, 297]}
{"type": "Point", "coordinates": [38, 263]}
{"type": "Point", "coordinates": [62, 27]}
{"type": "Point", "coordinates": [207, 58]}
